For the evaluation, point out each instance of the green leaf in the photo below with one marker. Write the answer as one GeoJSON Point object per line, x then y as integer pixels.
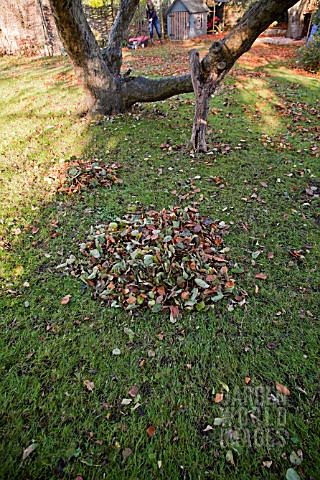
{"type": "Point", "coordinates": [292, 474]}
{"type": "Point", "coordinates": [295, 459]}
{"type": "Point", "coordinates": [95, 253]}
{"type": "Point", "coordinates": [217, 297]}
{"type": "Point", "coordinates": [129, 332]}
{"type": "Point", "coordinates": [167, 238]}
{"type": "Point", "coordinates": [201, 283]}
{"type": "Point", "coordinates": [148, 259]}
{"type": "Point", "coordinates": [156, 308]}
{"type": "Point", "coordinates": [237, 270]}
{"type": "Point", "coordinates": [200, 306]}
{"type": "Point", "coordinates": [256, 254]}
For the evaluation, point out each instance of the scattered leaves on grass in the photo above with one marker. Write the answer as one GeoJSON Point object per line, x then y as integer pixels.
{"type": "Point", "coordinates": [76, 175]}
{"type": "Point", "coordinates": [282, 389]}
{"type": "Point", "coordinates": [28, 451]}
{"type": "Point", "coordinates": [161, 260]}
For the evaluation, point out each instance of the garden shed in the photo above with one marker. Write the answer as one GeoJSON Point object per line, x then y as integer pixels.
{"type": "Point", "coordinates": [187, 19]}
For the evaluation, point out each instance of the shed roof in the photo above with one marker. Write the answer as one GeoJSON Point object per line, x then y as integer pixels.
{"type": "Point", "coordinates": [193, 6]}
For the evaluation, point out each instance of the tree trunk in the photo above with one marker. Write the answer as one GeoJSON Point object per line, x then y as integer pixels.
{"type": "Point", "coordinates": [108, 92]}
{"type": "Point", "coordinates": [296, 20]}
{"type": "Point", "coordinates": [203, 90]}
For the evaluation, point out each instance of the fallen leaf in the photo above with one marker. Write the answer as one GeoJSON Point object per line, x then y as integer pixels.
{"type": "Point", "coordinates": [150, 431]}
{"type": "Point", "coordinates": [29, 450]}
{"type": "Point", "coordinates": [134, 391]}
{"type": "Point", "coordinates": [247, 380]}
{"type": "Point", "coordinates": [208, 428]}
{"type": "Point", "coordinates": [89, 385]}
{"type": "Point", "coordinates": [131, 300]}
{"type": "Point", "coordinates": [65, 300]}
{"type": "Point", "coordinates": [295, 459]}
{"type": "Point", "coordinates": [229, 457]}
{"type": "Point", "coordinates": [35, 230]}
{"type": "Point", "coordinates": [126, 401]}
{"type": "Point", "coordinates": [262, 276]}
{"type": "Point", "coordinates": [116, 351]}
{"type": "Point", "coordinates": [282, 389]}
{"type": "Point", "coordinates": [126, 452]}
{"type": "Point", "coordinates": [292, 474]}
{"type": "Point", "coordinates": [218, 398]}
{"type": "Point", "coordinates": [267, 463]}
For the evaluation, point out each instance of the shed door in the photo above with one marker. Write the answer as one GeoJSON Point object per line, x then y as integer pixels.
{"type": "Point", "coordinates": [179, 25]}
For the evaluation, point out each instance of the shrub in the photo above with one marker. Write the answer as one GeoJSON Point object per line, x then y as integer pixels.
{"type": "Point", "coordinates": [309, 55]}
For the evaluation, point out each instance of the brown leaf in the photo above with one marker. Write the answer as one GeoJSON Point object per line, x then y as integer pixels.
{"type": "Point", "coordinates": [262, 276]}
{"type": "Point", "coordinates": [185, 295]}
{"type": "Point", "coordinates": [126, 452]}
{"type": "Point", "coordinates": [89, 385]}
{"type": "Point", "coordinates": [161, 291]}
{"type": "Point", "coordinates": [150, 431]}
{"type": "Point", "coordinates": [35, 230]}
{"type": "Point", "coordinates": [247, 380]}
{"type": "Point", "coordinates": [131, 300]}
{"type": "Point", "coordinates": [218, 398]}
{"type": "Point", "coordinates": [174, 311]}
{"type": "Point", "coordinates": [134, 391]}
{"type": "Point", "coordinates": [65, 300]}
{"type": "Point", "coordinates": [282, 389]}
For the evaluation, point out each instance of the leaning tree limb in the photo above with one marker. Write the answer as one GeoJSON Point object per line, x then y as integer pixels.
{"type": "Point", "coordinates": [221, 57]}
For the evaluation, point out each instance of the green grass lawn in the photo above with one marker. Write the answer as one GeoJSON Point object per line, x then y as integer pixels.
{"type": "Point", "coordinates": [63, 390]}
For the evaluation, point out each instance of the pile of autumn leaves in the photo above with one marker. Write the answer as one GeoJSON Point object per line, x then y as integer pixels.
{"type": "Point", "coordinates": [76, 175]}
{"type": "Point", "coordinates": [171, 259]}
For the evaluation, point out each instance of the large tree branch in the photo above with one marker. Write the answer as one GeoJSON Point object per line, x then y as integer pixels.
{"type": "Point", "coordinates": [222, 55]}
{"type": "Point", "coordinates": [143, 89]}
{"type": "Point", "coordinates": [113, 53]}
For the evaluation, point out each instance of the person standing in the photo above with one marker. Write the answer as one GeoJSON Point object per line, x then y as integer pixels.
{"type": "Point", "coordinates": [153, 19]}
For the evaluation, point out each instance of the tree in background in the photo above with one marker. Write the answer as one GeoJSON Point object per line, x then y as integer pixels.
{"type": "Point", "coordinates": [109, 92]}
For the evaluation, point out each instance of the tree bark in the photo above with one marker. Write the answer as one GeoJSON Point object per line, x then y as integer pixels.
{"type": "Point", "coordinates": [296, 20]}
{"type": "Point", "coordinates": [203, 89]}
{"type": "Point", "coordinates": [113, 53]}
{"type": "Point", "coordinates": [110, 93]}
